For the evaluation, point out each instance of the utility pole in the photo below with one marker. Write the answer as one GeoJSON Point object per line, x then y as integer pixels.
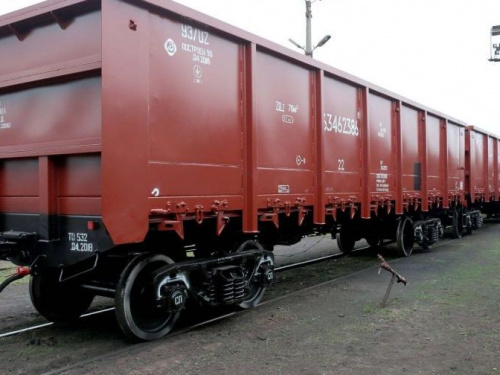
{"type": "Point", "coordinates": [309, 48]}
{"type": "Point", "coordinates": [309, 16]}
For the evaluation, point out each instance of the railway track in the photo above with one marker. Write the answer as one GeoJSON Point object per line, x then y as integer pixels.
{"type": "Point", "coordinates": [48, 324]}
{"type": "Point", "coordinates": [283, 268]}
{"type": "Point", "coordinates": [182, 331]}
{"type": "Point", "coordinates": [100, 311]}
{"type": "Point", "coordinates": [276, 296]}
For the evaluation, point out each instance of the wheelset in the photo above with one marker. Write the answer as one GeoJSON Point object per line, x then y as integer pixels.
{"type": "Point", "coordinates": [137, 311]}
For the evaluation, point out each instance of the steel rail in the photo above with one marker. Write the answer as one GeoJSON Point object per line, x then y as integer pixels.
{"type": "Point", "coordinates": [317, 260]}
{"type": "Point", "coordinates": [43, 325]}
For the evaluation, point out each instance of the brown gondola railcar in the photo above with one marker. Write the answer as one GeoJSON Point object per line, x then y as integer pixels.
{"type": "Point", "coordinates": [152, 154]}
{"type": "Point", "coordinates": [482, 178]}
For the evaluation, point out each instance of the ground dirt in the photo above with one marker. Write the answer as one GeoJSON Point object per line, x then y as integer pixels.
{"type": "Point", "coordinates": [445, 321]}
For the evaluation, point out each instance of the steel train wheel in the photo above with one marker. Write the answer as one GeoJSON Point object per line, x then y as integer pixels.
{"type": "Point", "coordinates": [345, 240]}
{"type": "Point", "coordinates": [56, 301]}
{"type": "Point", "coordinates": [405, 237]}
{"type": "Point", "coordinates": [135, 309]}
{"type": "Point", "coordinates": [457, 226]}
{"type": "Point", "coordinates": [253, 291]}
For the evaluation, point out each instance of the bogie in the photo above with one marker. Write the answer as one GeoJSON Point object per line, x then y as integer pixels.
{"type": "Point", "coordinates": [153, 289]}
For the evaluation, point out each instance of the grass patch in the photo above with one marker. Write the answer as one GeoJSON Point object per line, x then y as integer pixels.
{"type": "Point", "coordinates": [462, 285]}
{"type": "Point", "coordinates": [370, 309]}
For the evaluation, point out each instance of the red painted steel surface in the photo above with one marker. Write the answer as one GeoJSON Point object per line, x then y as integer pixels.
{"type": "Point", "coordinates": [79, 184]}
{"type": "Point", "coordinates": [125, 91]}
{"type": "Point", "coordinates": [53, 119]}
{"type": "Point", "coordinates": [285, 147]}
{"type": "Point", "coordinates": [477, 167]}
{"type": "Point", "coordinates": [496, 169]}
{"type": "Point", "coordinates": [435, 152]}
{"type": "Point", "coordinates": [49, 48]}
{"type": "Point", "coordinates": [47, 123]}
{"type": "Point", "coordinates": [492, 142]}
{"type": "Point", "coordinates": [382, 149]}
{"type": "Point", "coordinates": [250, 223]}
{"type": "Point", "coordinates": [412, 157]}
{"type": "Point", "coordinates": [342, 136]}
{"type": "Point", "coordinates": [195, 127]}
{"type": "Point", "coordinates": [19, 188]}
{"type": "Point", "coordinates": [482, 165]}
{"type": "Point", "coordinates": [456, 161]}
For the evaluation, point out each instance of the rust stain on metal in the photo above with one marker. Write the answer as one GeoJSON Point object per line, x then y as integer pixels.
{"type": "Point", "coordinates": [388, 268]}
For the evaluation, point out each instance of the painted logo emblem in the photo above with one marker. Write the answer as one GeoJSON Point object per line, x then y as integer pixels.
{"type": "Point", "coordinates": [287, 119]}
{"type": "Point", "coordinates": [197, 71]}
{"type": "Point", "coordinates": [300, 160]}
{"type": "Point", "coordinates": [170, 47]}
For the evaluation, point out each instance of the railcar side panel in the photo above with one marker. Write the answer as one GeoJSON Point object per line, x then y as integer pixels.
{"type": "Point", "coordinates": [477, 167]}
{"type": "Point", "coordinates": [497, 169]}
{"type": "Point", "coordinates": [195, 129]}
{"type": "Point", "coordinates": [285, 131]}
{"type": "Point", "coordinates": [482, 165]}
{"type": "Point", "coordinates": [411, 169]}
{"type": "Point", "coordinates": [456, 159]}
{"type": "Point", "coordinates": [342, 140]}
{"type": "Point", "coordinates": [47, 48]}
{"type": "Point", "coordinates": [51, 119]}
{"type": "Point", "coordinates": [79, 184]}
{"type": "Point", "coordinates": [434, 156]}
{"type": "Point", "coordinates": [50, 132]}
{"type": "Point", "coordinates": [382, 149]}
{"type": "Point", "coordinates": [491, 167]}
{"type": "Point", "coordinates": [125, 105]}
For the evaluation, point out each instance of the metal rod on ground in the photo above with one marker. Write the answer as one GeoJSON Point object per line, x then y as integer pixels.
{"type": "Point", "coordinates": [386, 297]}
{"type": "Point", "coordinates": [384, 265]}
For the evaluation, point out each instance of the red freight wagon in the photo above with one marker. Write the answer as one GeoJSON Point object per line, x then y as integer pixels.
{"type": "Point", "coordinates": [415, 162]}
{"type": "Point", "coordinates": [482, 178]}
{"type": "Point", "coordinates": [152, 154]}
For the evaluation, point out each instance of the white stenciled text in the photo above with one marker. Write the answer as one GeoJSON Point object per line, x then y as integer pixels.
{"type": "Point", "coordinates": [4, 124]}
{"type": "Point", "coordinates": [288, 111]}
{"type": "Point", "coordinates": [340, 125]}
{"type": "Point", "coordinates": [195, 35]}
{"type": "Point", "coordinates": [79, 242]}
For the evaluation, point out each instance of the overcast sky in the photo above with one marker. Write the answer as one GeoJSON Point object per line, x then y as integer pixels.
{"type": "Point", "coordinates": [432, 51]}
